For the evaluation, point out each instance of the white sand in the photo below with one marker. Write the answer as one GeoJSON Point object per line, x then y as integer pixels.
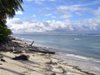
{"type": "Point", "coordinates": [37, 65]}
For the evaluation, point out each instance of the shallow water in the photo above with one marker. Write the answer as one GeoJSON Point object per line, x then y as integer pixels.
{"type": "Point", "coordinates": [85, 45]}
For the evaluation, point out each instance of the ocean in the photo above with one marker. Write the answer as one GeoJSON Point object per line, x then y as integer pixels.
{"type": "Point", "coordinates": [85, 45]}
{"type": "Point", "coordinates": [76, 49]}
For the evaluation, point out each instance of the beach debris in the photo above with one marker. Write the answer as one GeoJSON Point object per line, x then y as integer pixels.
{"type": "Point", "coordinates": [50, 73]}
{"type": "Point", "coordinates": [17, 52]}
{"type": "Point", "coordinates": [51, 62]}
{"type": "Point", "coordinates": [3, 60]}
{"type": "Point", "coordinates": [53, 73]}
{"type": "Point", "coordinates": [32, 43]}
{"type": "Point", "coordinates": [46, 52]}
{"type": "Point", "coordinates": [88, 73]}
{"type": "Point", "coordinates": [22, 74]}
{"type": "Point", "coordinates": [1, 56]}
{"type": "Point", "coordinates": [63, 70]}
{"type": "Point", "coordinates": [21, 57]}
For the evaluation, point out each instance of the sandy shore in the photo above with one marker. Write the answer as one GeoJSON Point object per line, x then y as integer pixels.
{"type": "Point", "coordinates": [37, 64]}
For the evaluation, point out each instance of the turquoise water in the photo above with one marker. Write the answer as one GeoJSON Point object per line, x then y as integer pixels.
{"type": "Point", "coordinates": [85, 45]}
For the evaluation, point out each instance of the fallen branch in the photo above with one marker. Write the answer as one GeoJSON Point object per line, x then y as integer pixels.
{"type": "Point", "coordinates": [32, 43]}
{"type": "Point", "coordinates": [48, 52]}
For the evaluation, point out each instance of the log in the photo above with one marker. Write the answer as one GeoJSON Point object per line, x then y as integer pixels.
{"type": "Point", "coordinates": [47, 52]}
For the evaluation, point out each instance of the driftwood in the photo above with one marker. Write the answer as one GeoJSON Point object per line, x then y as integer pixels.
{"type": "Point", "coordinates": [32, 43]}
{"type": "Point", "coordinates": [48, 52]}
{"type": "Point", "coordinates": [36, 49]}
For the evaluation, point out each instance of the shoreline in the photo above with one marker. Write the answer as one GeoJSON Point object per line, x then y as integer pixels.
{"type": "Point", "coordinates": [58, 49]}
{"type": "Point", "coordinates": [92, 64]}
{"type": "Point", "coordinates": [54, 66]}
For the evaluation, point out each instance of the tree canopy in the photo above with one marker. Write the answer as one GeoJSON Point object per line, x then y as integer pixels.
{"type": "Point", "coordinates": [8, 9]}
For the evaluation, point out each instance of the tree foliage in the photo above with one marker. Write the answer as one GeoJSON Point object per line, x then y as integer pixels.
{"type": "Point", "coordinates": [7, 9]}
{"type": "Point", "coordinates": [4, 32]}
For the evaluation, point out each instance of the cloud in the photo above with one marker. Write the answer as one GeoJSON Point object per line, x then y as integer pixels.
{"type": "Point", "coordinates": [14, 21]}
{"type": "Point", "coordinates": [19, 12]}
{"type": "Point", "coordinates": [71, 8]}
{"type": "Point", "coordinates": [67, 11]}
{"type": "Point", "coordinates": [33, 15]}
{"type": "Point", "coordinates": [48, 15]}
{"type": "Point", "coordinates": [42, 1]}
{"type": "Point", "coordinates": [31, 27]}
{"type": "Point", "coordinates": [39, 1]}
{"type": "Point", "coordinates": [94, 2]}
{"type": "Point", "coordinates": [41, 12]}
{"type": "Point", "coordinates": [52, 0]}
{"type": "Point", "coordinates": [53, 16]}
{"type": "Point", "coordinates": [66, 15]}
{"type": "Point", "coordinates": [29, 0]}
{"type": "Point", "coordinates": [97, 12]}
{"type": "Point", "coordinates": [66, 26]}
{"type": "Point", "coordinates": [78, 13]}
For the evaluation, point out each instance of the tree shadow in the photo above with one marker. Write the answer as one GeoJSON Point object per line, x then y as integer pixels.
{"type": "Point", "coordinates": [22, 61]}
{"type": "Point", "coordinates": [26, 62]}
{"type": "Point", "coordinates": [7, 56]}
{"type": "Point", "coordinates": [30, 69]}
{"type": "Point", "coordinates": [10, 70]}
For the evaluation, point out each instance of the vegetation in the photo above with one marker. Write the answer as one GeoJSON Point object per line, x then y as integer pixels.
{"type": "Point", "coordinates": [4, 32]}
{"type": "Point", "coordinates": [7, 9]}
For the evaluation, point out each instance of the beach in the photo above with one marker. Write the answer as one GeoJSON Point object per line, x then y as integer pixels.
{"type": "Point", "coordinates": [37, 64]}
{"type": "Point", "coordinates": [49, 37]}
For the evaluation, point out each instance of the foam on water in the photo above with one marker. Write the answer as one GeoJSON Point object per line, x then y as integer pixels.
{"type": "Point", "coordinates": [87, 64]}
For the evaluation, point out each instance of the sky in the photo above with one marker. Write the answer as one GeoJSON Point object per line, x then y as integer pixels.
{"type": "Point", "coordinates": [57, 17]}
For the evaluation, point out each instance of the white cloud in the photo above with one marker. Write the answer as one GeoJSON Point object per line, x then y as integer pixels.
{"type": "Point", "coordinates": [52, 0]}
{"type": "Point", "coordinates": [19, 12]}
{"type": "Point", "coordinates": [34, 15]}
{"type": "Point", "coordinates": [78, 13]}
{"type": "Point", "coordinates": [54, 17]}
{"type": "Point", "coordinates": [47, 8]}
{"type": "Point", "coordinates": [70, 8]}
{"type": "Point", "coordinates": [66, 11]}
{"type": "Point", "coordinates": [66, 15]}
{"type": "Point", "coordinates": [18, 26]}
{"type": "Point", "coordinates": [39, 1]}
{"type": "Point", "coordinates": [29, 0]}
{"type": "Point", "coordinates": [48, 15]}
{"type": "Point", "coordinates": [97, 12]}
{"type": "Point", "coordinates": [42, 1]}
{"type": "Point", "coordinates": [13, 21]}
{"type": "Point", "coordinates": [93, 2]}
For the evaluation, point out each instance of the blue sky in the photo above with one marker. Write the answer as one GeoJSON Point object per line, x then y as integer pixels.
{"type": "Point", "coordinates": [57, 16]}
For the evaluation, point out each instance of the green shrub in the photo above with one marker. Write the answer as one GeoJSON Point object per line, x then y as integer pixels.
{"type": "Point", "coordinates": [4, 33]}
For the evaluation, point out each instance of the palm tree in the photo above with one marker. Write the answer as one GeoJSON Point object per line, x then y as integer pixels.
{"type": "Point", "coordinates": [8, 9]}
